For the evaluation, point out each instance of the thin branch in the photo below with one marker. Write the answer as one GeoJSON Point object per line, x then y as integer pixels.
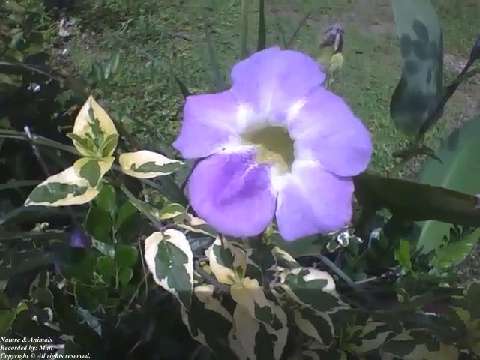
{"type": "Point", "coordinates": [18, 184]}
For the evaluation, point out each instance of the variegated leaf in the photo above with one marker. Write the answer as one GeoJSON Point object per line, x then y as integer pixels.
{"type": "Point", "coordinates": [209, 322]}
{"type": "Point", "coordinates": [170, 259]}
{"type": "Point", "coordinates": [250, 296]}
{"type": "Point", "coordinates": [94, 133]}
{"type": "Point", "coordinates": [228, 261]}
{"type": "Point", "coordinates": [283, 259]}
{"type": "Point", "coordinates": [147, 164]}
{"type": "Point", "coordinates": [206, 295]}
{"type": "Point", "coordinates": [313, 288]}
{"type": "Point", "coordinates": [371, 336]}
{"type": "Point", "coordinates": [63, 189]}
{"type": "Point", "coordinates": [315, 325]}
{"type": "Point", "coordinates": [92, 169]}
{"type": "Point", "coordinates": [246, 329]}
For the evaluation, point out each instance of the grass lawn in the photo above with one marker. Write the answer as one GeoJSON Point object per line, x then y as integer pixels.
{"type": "Point", "coordinates": [157, 39]}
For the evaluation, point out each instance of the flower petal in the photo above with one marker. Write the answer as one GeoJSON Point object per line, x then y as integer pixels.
{"type": "Point", "coordinates": [325, 129]}
{"type": "Point", "coordinates": [313, 201]}
{"type": "Point", "coordinates": [273, 79]}
{"type": "Point", "coordinates": [233, 194]}
{"type": "Point", "coordinates": [208, 124]}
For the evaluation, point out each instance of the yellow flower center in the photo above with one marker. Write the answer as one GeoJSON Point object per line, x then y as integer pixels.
{"type": "Point", "coordinates": [274, 146]}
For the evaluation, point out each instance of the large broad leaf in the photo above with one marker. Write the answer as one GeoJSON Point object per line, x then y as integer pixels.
{"type": "Point", "coordinates": [420, 87]}
{"type": "Point", "coordinates": [458, 170]}
{"type": "Point", "coordinates": [413, 201]}
{"type": "Point", "coordinates": [147, 164]}
{"type": "Point", "coordinates": [455, 252]}
{"type": "Point", "coordinates": [170, 260]}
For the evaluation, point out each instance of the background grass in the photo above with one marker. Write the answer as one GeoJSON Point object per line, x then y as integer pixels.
{"type": "Point", "coordinates": [160, 40]}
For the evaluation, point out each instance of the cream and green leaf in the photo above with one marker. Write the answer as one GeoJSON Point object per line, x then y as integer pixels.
{"type": "Point", "coordinates": [170, 259]}
{"type": "Point", "coordinates": [63, 189]}
{"type": "Point", "coordinates": [228, 261]}
{"type": "Point", "coordinates": [95, 138]}
{"type": "Point", "coordinates": [147, 164]}
{"type": "Point", "coordinates": [94, 134]}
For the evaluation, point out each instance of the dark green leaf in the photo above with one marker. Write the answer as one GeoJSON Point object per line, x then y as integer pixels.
{"type": "Point", "coordinates": [106, 268]}
{"type": "Point", "coordinates": [106, 200]}
{"type": "Point", "coordinates": [126, 256]}
{"type": "Point", "coordinates": [125, 275]}
{"type": "Point", "coordinates": [413, 201]}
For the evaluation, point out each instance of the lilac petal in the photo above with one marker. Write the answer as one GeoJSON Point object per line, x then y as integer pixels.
{"type": "Point", "coordinates": [79, 239]}
{"type": "Point", "coordinates": [313, 201]}
{"type": "Point", "coordinates": [271, 80]}
{"type": "Point", "coordinates": [233, 194]}
{"type": "Point", "coordinates": [208, 124]}
{"type": "Point", "coordinates": [325, 129]}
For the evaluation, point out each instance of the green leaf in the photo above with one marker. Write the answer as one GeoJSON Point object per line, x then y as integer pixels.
{"type": "Point", "coordinates": [455, 252]}
{"type": "Point", "coordinates": [417, 95]}
{"type": "Point", "coordinates": [126, 256]}
{"type": "Point", "coordinates": [98, 224]}
{"type": "Point", "coordinates": [125, 275]}
{"type": "Point", "coordinates": [106, 268]}
{"type": "Point", "coordinates": [458, 170]}
{"type": "Point", "coordinates": [7, 318]}
{"type": "Point", "coordinates": [402, 254]}
{"type": "Point", "coordinates": [106, 200]}
{"type": "Point", "coordinates": [170, 260]}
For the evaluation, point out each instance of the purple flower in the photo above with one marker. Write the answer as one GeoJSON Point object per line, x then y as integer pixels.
{"type": "Point", "coordinates": [277, 143]}
{"type": "Point", "coordinates": [78, 239]}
